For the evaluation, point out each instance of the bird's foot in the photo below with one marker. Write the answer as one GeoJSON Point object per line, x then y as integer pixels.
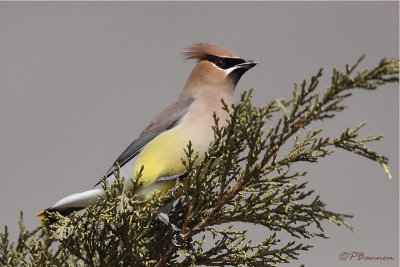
{"type": "Point", "coordinates": [178, 180]}
{"type": "Point", "coordinates": [175, 189]}
{"type": "Point", "coordinates": [178, 240]}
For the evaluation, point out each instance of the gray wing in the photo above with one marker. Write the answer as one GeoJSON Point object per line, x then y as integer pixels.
{"type": "Point", "coordinates": [170, 116]}
{"type": "Point", "coordinates": [132, 150]}
{"type": "Point", "coordinates": [166, 120]}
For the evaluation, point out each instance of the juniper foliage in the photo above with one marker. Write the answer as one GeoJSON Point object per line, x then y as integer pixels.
{"type": "Point", "coordinates": [246, 176]}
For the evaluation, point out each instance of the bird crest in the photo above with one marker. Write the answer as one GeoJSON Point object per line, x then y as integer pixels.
{"type": "Point", "coordinates": [200, 50]}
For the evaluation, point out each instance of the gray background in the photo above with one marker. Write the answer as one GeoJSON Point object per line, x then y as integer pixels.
{"type": "Point", "coordinates": [79, 81]}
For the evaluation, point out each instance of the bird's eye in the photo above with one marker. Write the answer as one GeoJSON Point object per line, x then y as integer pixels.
{"type": "Point", "coordinates": [220, 63]}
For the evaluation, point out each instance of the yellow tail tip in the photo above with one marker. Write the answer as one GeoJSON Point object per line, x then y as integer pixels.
{"type": "Point", "coordinates": [43, 217]}
{"type": "Point", "coordinates": [41, 214]}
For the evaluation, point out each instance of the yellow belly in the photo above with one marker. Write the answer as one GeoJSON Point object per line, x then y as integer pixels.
{"type": "Point", "coordinates": [163, 157]}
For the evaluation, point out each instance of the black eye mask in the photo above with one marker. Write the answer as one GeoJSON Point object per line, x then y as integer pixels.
{"type": "Point", "coordinates": [223, 62]}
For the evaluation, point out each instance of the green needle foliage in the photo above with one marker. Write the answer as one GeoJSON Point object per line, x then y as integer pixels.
{"type": "Point", "coordinates": [248, 176]}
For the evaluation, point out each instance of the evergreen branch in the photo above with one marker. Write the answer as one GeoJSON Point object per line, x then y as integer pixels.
{"type": "Point", "coordinates": [249, 175]}
{"type": "Point", "coordinates": [306, 106]}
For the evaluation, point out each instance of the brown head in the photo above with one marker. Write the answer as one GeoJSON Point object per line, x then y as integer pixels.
{"type": "Point", "coordinates": [217, 71]}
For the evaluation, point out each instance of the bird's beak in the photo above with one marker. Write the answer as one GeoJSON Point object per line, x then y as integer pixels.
{"type": "Point", "coordinates": [248, 64]}
{"type": "Point", "coordinates": [240, 69]}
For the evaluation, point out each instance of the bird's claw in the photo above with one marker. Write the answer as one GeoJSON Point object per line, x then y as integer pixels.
{"type": "Point", "coordinates": [175, 189]}
{"type": "Point", "coordinates": [178, 180]}
{"type": "Point", "coordinates": [178, 241]}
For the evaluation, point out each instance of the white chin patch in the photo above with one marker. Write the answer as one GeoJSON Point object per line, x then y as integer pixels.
{"type": "Point", "coordinates": [228, 71]}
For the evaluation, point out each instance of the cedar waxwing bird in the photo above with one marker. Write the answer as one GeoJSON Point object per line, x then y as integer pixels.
{"type": "Point", "coordinates": [160, 147]}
